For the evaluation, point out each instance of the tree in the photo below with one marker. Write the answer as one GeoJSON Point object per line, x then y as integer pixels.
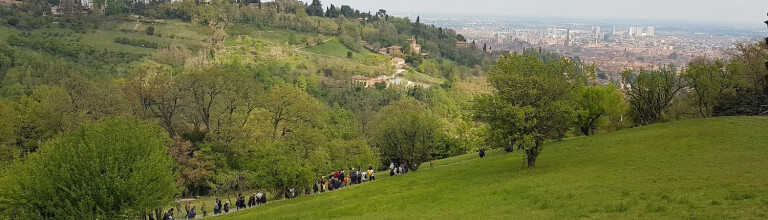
{"type": "Point", "coordinates": [153, 93]}
{"type": "Point", "coordinates": [709, 81]}
{"type": "Point", "coordinates": [594, 102]}
{"type": "Point", "coordinates": [315, 9]}
{"type": "Point", "coordinates": [279, 169]}
{"type": "Point", "coordinates": [288, 108]}
{"type": "Point", "coordinates": [532, 103]}
{"type": "Point", "coordinates": [151, 30]}
{"type": "Point", "coordinates": [9, 121]}
{"type": "Point", "coordinates": [112, 169]}
{"type": "Point", "coordinates": [461, 38]}
{"type": "Point", "coordinates": [203, 89]}
{"type": "Point", "coordinates": [406, 132]}
{"type": "Point", "coordinates": [650, 92]}
{"type": "Point", "coordinates": [349, 54]}
{"type": "Point", "coordinates": [195, 173]}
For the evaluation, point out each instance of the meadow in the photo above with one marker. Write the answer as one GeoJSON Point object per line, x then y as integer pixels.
{"type": "Point", "coordinates": [695, 169]}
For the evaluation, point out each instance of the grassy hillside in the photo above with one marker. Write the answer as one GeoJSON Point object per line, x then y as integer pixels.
{"type": "Point", "coordinates": [699, 169]}
{"type": "Point", "coordinates": [335, 48]}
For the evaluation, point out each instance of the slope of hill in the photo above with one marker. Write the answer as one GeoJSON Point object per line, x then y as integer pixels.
{"type": "Point", "coordinates": [698, 169]}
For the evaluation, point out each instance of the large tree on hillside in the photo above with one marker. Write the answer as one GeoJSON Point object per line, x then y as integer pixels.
{"type": "Point", "coordinates": [113, 169]}
{"type": "Point", "coordinates": [533, 102]}
{"type": "Point", "coordinates": [406, 132]}
{"type": "Point", "coordinates": [650, 92]}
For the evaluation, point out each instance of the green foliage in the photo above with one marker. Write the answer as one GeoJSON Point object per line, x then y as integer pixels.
{"type": "Point", "coordinates": [603, 177]}
{"type": "Point", "coordinates": [406, 133]}
{"type": "Point", "coordinates": [650, 93]}
{"type": "Point", "coordinates": [112, 169]}
{"type": "Point", "coordinates": [751, 84]}
{"type": "Point", "coordinates": [594, 102]}
{"type": "Point", "coordinates": [279, 168]}
{"type": "Point", "coordinates": [151, 30]}
{"type": "Point", "coordinates": [709, 80]}
{"type": "Point", "coordinates": [533, 102]}
{"type": "Point", "coordinates": [136, 42]}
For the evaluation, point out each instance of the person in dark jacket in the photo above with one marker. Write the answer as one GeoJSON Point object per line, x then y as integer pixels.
{"type": "Point", "coordinates": [226, 207]}
{"type": "Point", "coordinates": [252, 200]}
{"type": "Point", "coordinates": [263, 199]}
{"type": "Point", "coordinates": [168, 215]}
{"type": "Point", "coordinates": [482, 152]}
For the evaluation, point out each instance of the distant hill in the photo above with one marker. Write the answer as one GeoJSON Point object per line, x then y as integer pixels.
{"type": "Point", "coordinates": [698, 169]}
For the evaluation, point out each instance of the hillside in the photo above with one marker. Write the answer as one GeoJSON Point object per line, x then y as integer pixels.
{"type": "Point", "coordinates": [698, 169]}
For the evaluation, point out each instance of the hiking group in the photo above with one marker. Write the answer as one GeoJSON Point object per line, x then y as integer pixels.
{"type": "Point", "coordinates": [218, 208]}
{"type": "Point", "coordinates": [341, 179]}
{"type": "Point", "coordinates": [334, 181]}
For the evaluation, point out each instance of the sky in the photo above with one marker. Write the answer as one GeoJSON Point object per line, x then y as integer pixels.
{"type": "Point", "coordinates": [700, 11]}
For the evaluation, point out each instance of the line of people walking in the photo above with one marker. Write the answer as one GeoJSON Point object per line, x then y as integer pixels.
{"type": "Point", "coordinates": [341, 179]}
{"type": "Point", "coordinates": [219, 207]}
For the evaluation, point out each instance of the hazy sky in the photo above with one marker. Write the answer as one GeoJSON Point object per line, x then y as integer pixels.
{"type": "Point", "coordinates": [722, 11]}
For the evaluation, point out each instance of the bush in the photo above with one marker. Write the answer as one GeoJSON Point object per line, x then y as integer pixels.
{"type": "Point", "coordinates": [151, 30]}
{"type": "Point", "coordinates": [137, 42]}
{"type": "Point", "coordinates": [114, 169]}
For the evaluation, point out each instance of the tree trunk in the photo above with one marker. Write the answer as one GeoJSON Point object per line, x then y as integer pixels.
{"type": "Point", "coordinates": [159, 213]}
{"type": "Point", "coordinates": [531, 157]}
{"type": "Point", "coordinates": [531, 162]}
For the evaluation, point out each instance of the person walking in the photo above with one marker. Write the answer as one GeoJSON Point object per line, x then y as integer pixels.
{"type": "Point", "coordinates": [322, 184]}
{"type": "Point", "coordinates": [216, 207]}
{"type": "Point", "coordinates": [482, 152]}
{"type": "Point", "coordinates": [186, 208]}
{"type": "Point", "coordinates": [202, 208]}
{"type": "Point", "coordinates": [259, 198]}
{"type": "Point", "coordinates": [252, 200]}
{"type": "Point", "coordinates": [370, 172]}
{"type": "Point", "coordinates": [178, 207]}
{"type": "Point", "coordinates": [192, 213]}
{"type": "Point", "coordinates": [221, 206]}
{"type": "Point", "coordinates": [168, 215]}
{"type": "Point", "coordinates": [226, 207]}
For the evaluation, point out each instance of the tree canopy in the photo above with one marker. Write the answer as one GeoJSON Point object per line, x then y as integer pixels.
{"type": "Point", "coordinates": [113, 169]}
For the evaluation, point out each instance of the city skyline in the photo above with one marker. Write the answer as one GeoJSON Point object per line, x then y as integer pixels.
{"type": "Point", "coordinates": [745, 12]}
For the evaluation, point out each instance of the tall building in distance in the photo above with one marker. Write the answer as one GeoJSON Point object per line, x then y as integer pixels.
{"type": "Point", "coordinates": [651, 31]}
{"type": "Point", "coordinates": [567, 37]}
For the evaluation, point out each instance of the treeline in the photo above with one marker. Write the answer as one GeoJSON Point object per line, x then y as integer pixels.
{"type": "Point", "coordinates": [137, 42]}
{"type": "Point", "coordinates": [249, 116]}
{"type": "Point", "coordinates": [539, 99]}
{"type": "Point", "coordinates": [354, 28]}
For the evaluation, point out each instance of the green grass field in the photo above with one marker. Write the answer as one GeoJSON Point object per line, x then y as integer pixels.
{"type": "Point", "coordinates": [696, 169]}
{"type": "Point", "coordinates": [415, 76]}
{"type": "Point", "coordinates": [335, 48]}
